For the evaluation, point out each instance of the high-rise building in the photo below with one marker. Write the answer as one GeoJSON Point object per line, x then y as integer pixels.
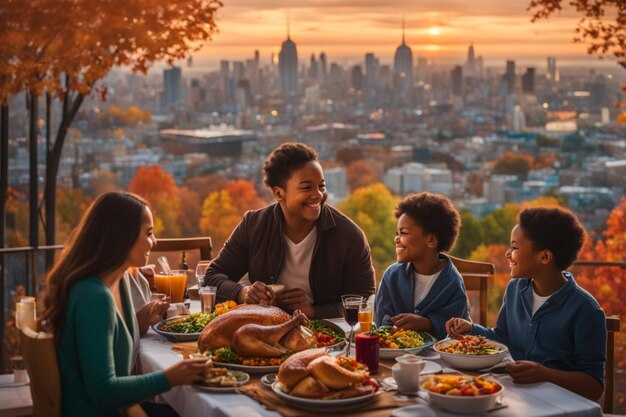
{"type": "Point", "coordinates": [528, 81]}
{"type": "Point", "coordinates": [357, 78]}
{"type": "Point", "coordinates": [457, 80]}
{"type": "Point", "coordinates": [470, 65]}
{"type": "Point", "coordinates": [552, 73]}
{"type": "Point", "coordinates": [172, 88]}
{"type": "Point", "coordinates": [323, 67]}
{"type": "Point", "coordinates": [288, 67]}
{"type": "Point", "coordinates": [371, 69]}
{"type": "Point", "coordinates": [313, 69]}
{"type": "Point", "coordinates": [519, 120]}
{"type": "Point", "coordinates": [510, 77]}
{"type": "Point", "coordinates": [403, 65]}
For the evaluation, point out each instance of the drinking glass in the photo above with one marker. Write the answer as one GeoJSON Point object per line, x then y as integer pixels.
{"type": "Point", "coordinates": [207, 298]}
{"type": "Point", "coordinates": [201, 272]}
{"type": "Point", "coordinates": [351, 305]}
{"type": "Point", "coordinates": [25, 315]}
{"type": "Point", "coordinates": [366, 315]}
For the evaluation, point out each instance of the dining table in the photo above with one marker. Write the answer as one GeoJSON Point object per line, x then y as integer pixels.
{"type": "Point", "coordinates": [528, 400]}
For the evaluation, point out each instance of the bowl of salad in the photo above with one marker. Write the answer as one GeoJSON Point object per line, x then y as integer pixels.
{"type": "Point", "coordinates": [462, 393]}
{"type": "Point", "coordinates": [394, 342]}
{"type": "Point", "coordinates": [471, 352]}
{"type": "Point", "coordinates": [182, 328]}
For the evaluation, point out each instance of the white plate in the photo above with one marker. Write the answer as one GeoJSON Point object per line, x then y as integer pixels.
{"type": "Point", "coordinates": [248, 368]}
{"type": "Point", "coordinates": [175, 337]}
{"type": "Point", "coordinates": [386, 353]}
{"type": "Point", "coordinates": [323, 405]}
{"type": "Point", "coordinates": [268, 379]}
{"type": "Point", "coordinates": [420, 410]}
{"type": "Point", "coordinates": [243, 378]}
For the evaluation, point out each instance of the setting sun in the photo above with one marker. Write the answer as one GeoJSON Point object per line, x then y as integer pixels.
{"type": "Point", "coordinates": [434, 31]}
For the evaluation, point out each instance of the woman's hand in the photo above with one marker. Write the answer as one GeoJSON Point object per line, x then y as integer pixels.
{"type": "Point", "coordinates": [526, 372]}
{"type": "Point", "coordinates": [296, 299]}
{"type": "Point", "coordinates": [457, 326]}
{"type": "Point", "coordinates": [186, 372]}
{"type": "Point", "coordinates": [151, 313]}
{"type": "Point", "coordinates": [257, 293]}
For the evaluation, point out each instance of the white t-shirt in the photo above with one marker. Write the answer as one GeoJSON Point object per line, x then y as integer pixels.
{"type": "Point", "coordinates": [422, 285]}
{"type": "Point", "coordinates": [295, 271]}
{"type": "Point", "coordinates": [538, 301]}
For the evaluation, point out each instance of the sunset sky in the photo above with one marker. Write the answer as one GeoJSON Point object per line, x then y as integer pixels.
{"type": "Point", "coordinates": [437, 29]}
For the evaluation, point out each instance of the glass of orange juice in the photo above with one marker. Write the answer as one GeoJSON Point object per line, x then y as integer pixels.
{"type": "Point", "coordinates": [366, 315]}
{"type": "Point", "coordinates": [178, 284]}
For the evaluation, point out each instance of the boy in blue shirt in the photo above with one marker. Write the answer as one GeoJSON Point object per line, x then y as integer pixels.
{"type": "Point", "coordinates": [423, 289]}
{"type": "Point", "coordinates": [555, 330]}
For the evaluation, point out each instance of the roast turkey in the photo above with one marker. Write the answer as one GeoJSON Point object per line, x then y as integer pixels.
{"type": "Point", "coordinates": [257, 331]}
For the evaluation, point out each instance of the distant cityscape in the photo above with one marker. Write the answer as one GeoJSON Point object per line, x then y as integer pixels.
{"type": "Point", "coordinates": [418, 124]}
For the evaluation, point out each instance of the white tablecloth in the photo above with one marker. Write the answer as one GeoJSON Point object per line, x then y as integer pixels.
{"type": "Point", "coordinates": [534, 400]}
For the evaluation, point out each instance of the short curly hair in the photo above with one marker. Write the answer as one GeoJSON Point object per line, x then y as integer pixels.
{"type": "Point", "coordinates": [434, 213]}
{"type": "Point", "coordinates": [554, 229]}
{"type": "Point", "coordinates": [285, 159]}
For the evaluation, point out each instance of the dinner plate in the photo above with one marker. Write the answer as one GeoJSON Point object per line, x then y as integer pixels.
{"type": "Point", "coordinates": [248, 368]}
{"type": "Point", "coordinates": [471, 362]}
{"type": "Point", "coordinates": [323, 405]}
{"type": "Point", "coordinates": [242, 378]}
{"type": "Point", "coordinates": [174, 337]}
{"type": "Point", "coordinates": [268, 379]}
{"type": "Point", "coordinates": [387, 353]}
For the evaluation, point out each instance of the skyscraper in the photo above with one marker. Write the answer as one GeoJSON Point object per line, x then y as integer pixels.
{"type": "Point", "coordinates": [371, 69]}
{"type": "Point", "coordinates": [323, 67]}
{"type": "Point", "coordinates": [172, 88]}
{"type": "Point", "coordinates": [288, 67]}
{"type": "Point", "coordinates": [510, 77]}
{"type": "Point", "coordinates": [470, 65]}
{"type": "Point", "coordinates": [552, 74]}
{"type": "Point", "coordinates": [313, 69]}
{"type": "Point", "coordinates": [357, 78]}
{"type": "Point", "coordinates": [403, 65]}
{"type": "Point", "coordinates": [528, 81]}
{"type": "Point", "coordinates": [457, 80]}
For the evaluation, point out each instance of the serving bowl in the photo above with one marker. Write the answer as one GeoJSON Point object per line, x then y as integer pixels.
{"type": "Point", "coordinates": [470, 362]}
{"type": "Point", "coordinates": [463, 404]}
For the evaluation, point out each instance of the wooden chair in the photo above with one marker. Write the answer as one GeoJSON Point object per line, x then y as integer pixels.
{"type": "Point", "coordinates": [612, 326]}
{"type": "Point", "coordinates": [39, 352]}
{"type": "Point", "coordinates": [478, 276]}
{"type": "Point", "coordinates": [203, 244]}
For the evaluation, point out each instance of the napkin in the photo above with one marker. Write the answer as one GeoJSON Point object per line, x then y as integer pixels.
{"type": "Point", "coordinates": [380, 406]}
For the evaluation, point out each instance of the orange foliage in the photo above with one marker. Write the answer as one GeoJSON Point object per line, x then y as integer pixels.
{"type": "Point", "coordinates": [244, 196]}
{"type": "Point", "coordinates": [205, 185]}
{"type": "Point", "coordinates": [361, 174]}
{"type": "Point", "coordinates": [159, 188]}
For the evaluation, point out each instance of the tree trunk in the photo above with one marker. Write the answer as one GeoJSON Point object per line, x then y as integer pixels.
{"type": "Point", "coordinates": [34, 175]}
{"type": "Point", "coordinates": [70, 108]}
{"type": "Point", "coordinates": [49, 253]}
{"type": "Point", "coordinates": [4, 185]}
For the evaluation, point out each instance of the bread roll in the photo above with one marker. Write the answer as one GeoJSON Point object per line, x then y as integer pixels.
{"type": "Point", "coordinates": [294, 369]}
{"type": "Point", "coordinates": [326, 370]}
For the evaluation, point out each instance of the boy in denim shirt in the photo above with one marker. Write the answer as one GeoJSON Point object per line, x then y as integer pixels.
{"type": "Point", "coordinates": [423, 289]}
{"type": "Point", "coordinates": [554, 329]}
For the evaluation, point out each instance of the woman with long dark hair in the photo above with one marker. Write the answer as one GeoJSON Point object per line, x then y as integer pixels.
{"type": "Point", "coordinates": [88, 307]}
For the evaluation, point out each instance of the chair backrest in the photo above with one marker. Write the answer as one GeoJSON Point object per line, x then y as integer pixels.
{"type": "Point", "coordinates": [203, 243]}
{"type": "Point", "coordinates": [39, 352]}
{"type": "Point", "coordinates": [612, 326]}
{"type": "Point", "coordinates": [478, 276]}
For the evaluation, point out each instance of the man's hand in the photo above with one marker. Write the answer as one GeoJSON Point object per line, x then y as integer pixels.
{"type": "Point", "coordinates": [257, 293]}
{"type": "Point", "coordinates": [458, 326]}
{"type": "Point", "coordinates": [296, 299]}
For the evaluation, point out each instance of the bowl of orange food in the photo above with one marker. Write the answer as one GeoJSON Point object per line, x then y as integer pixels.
{"type": "Point", "coordinates": [471, 352]}
{"type": "Point", "coordinates": [462, 393]}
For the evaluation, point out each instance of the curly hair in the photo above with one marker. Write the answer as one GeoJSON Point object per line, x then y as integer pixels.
{"type": "Point", "coordinates": [434, 213]}
{"type": "Point", "coordinates": [285, 159]}
{"type": "Point", "coordinates": [556, 230]}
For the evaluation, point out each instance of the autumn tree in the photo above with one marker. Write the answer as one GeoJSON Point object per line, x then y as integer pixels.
{"type": "Point", "coordinates": [123, 116]}
{"type": "Point", "coordinates": [62, 48]}
{"type": "Point", "coordinates": [159, 188]}
{"type": "Point", "coordinates": [470, 235]}
{"type": "Point", "coordinates": [596, 26]}
{"type": "Point", "coordinates": [206, 184]}
{"type": "Point", "coordinates": [189, 213]}
{"type": "Point", "coordinates": [372, 208]}
{"type": "Point", "coordinates": [222, 210]}
{"type": "Point", "coordinates": [513, 164]}
{"type": "Point", "coordinates": [361, 173]}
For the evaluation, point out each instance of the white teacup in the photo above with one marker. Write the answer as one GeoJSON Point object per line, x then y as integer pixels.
{"type": "Point", "coordinates": [406, 373]}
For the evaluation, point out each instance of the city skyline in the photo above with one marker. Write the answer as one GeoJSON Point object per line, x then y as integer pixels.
{"type": "Point", "coordinates": [442, 31]}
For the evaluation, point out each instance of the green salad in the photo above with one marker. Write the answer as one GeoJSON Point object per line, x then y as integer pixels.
{"type": "Point", "coordinates": [193, 323]}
